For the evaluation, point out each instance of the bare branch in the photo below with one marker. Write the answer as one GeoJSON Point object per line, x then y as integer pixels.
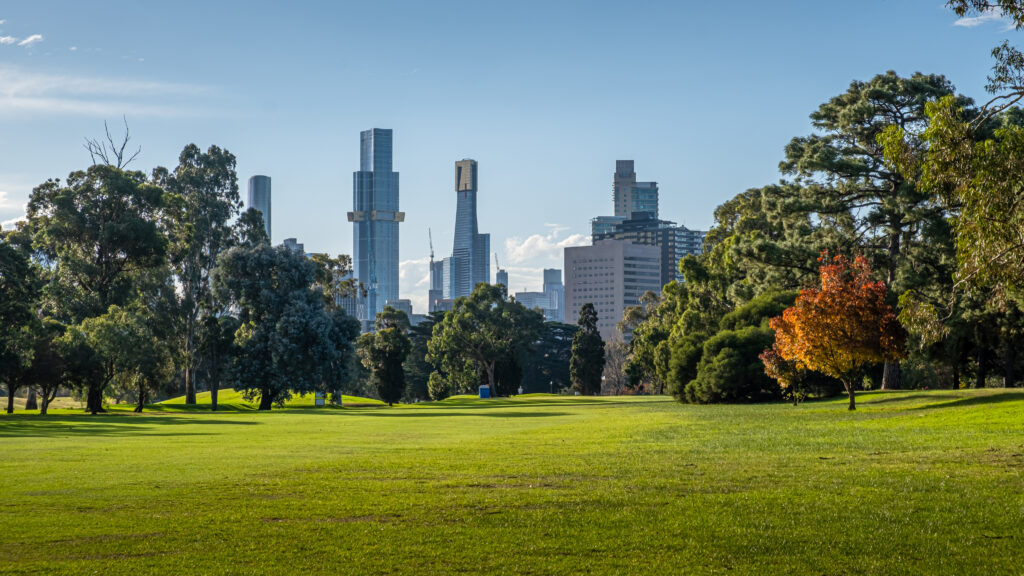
{"type": "Point", "coordinates": [110, 152]}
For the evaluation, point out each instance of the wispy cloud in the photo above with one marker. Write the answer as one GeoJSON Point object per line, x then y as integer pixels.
{"type": "Point", "coordinates": [22, 91]}
{"type": "Point", "coordinates": [994, 15]}
{"type": "Point", "coordinates": [541, 247]}
{"type": "Point", "coordinates": [8, 39]}
{"type": "Point", "coordinates": [31, 40]}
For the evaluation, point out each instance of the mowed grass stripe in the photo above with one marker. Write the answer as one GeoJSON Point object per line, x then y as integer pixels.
{"type": "Point", "coordinates": [912, 483]}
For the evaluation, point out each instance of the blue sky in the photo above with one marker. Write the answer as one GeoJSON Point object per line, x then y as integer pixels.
{"type": "Point", "coordinates": [544, 95]}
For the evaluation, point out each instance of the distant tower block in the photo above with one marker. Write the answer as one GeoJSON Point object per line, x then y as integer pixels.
{"type": "Point", "coordinates": [259, 198]}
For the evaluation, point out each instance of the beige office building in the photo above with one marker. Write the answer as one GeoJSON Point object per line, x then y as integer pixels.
{"type": "Point", "coordinates": [611, 274]}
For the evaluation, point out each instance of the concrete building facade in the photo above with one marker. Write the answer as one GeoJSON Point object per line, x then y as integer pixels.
{"type": "Point", "coordinates": [612, 275]}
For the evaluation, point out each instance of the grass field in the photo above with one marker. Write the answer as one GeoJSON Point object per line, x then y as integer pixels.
{"type": "Point", "coordinates": [911, 483]}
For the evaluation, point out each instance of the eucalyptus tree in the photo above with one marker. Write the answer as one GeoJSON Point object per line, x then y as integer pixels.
{"type": "Point", "coordinates": [205, 187]}
{"type": "Point", "coordinates": [100, 236]}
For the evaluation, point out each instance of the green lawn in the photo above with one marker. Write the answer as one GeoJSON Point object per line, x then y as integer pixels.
{"type": "Point", "coordinates": [912, 483]}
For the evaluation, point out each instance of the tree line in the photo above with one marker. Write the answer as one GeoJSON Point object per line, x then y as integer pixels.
{"type": "Point", "coordinates": [891, 255]}
{"type": "Point", "coordinates": [139, 286]}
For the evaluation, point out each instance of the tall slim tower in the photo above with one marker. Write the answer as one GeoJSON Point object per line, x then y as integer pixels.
{"type": "Point", "coordinates": [471, 262]}
{"type": "Point", "coordinates": [375, 218]}
{"type": "Point", "coordinates": [259, 198]}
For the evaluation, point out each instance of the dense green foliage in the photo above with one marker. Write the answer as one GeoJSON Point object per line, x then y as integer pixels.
{"type": "Point", "coordinates": [481, 339]}
{"type": "Point", "coordinates": [877, 178]}
{"type": "Point", "coordinates": [287, 339]}
{"type": "Point", "coordinates": [384, 351]}
{"type": "Point", "coordinates": [587, 363]}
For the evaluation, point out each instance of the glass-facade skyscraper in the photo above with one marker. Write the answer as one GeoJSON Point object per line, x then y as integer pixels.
{"type": "Point", "coordinates": [471, 251]}
{"type": "Point", "coordinates": [375, 218]}
{"type": "Point", "coordinates": [259, 198]}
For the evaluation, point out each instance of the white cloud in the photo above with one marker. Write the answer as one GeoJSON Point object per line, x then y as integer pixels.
{"type": "Point", "coordinates": [22, 91]}
{"type": "Point", "coordinates": [541, 247]}
{"type": "Point", "coordinates": [73, 48]}
{"type": "Point", "coordinates": [988, 16]}
{"type": "Point", "coordinates": [525, 278]}
{"type": "Point", "coordinates": [9, 224]}
{"type": "Point", "coordinates": [31, 40]}
{"type": "Point", "coordinates": [414, 282]}
{"type": "Point", "coordinates": [7, 39]}
{"type": "Point", "coordinates": [9, 206]}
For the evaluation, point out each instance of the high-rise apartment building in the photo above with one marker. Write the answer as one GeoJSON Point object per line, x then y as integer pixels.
{"type": "Point", "coordinates": [375, 218]}
{"type": "Point", "coordinates": [501, 277]}
{"type": "Point", "coordinates": [259, 198]}
{"type": "Point", "coordinates": [612, 275]}
{"type": "Point", "coordinates": [631, 196]}
{"type": "Point", "coordinates": [674, 241]}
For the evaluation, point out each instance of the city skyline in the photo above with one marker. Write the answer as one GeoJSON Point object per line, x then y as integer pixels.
{"type": "Point", "coordinates": [720, 95]}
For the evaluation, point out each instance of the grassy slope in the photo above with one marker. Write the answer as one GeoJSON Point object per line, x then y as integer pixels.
{"type": "Point", "coordinates": [912, 483]}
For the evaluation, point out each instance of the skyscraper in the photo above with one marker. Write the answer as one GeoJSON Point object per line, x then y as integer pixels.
{"type": "Point", "coordinates": [556, 293]}
{"type": "Point", "coordinates": [632, 196]}
{"type": "Point", "coordinates": [471, 263]}
{"type": "Point", "coordinates": [375, 218]}
{"type": "Point", "coordinates": [259, 198]}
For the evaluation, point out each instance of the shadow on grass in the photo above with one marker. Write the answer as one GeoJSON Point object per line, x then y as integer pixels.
{"type": "Point", "coordinates": [105, 425]}
{"type": "Point", "coordinates": [481, 414]}
{"type": "Point", "coordinates": [977, 400]}
{"type": "Point", "coordinates": [888, 396]}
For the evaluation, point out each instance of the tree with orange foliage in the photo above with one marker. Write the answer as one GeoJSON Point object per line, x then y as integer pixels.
{"type": "Point", "coordinates": [839, 328]}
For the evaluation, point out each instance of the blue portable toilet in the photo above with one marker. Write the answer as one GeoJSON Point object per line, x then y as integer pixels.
{"type": "Point", "coordinates": [485, 391]}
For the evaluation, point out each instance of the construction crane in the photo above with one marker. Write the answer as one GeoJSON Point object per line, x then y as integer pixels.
{"type": "Point", "coordinates": [497, 264]}
{"type": "Point", "coordinates": [430, 236]}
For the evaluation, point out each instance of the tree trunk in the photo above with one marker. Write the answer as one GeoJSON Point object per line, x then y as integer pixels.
{"type": "Point", "coordinates": [852, 393]}
{"type": "Point", "coordinates": [982, 372]}
{"type": "Point", "coordinates": [190, 384]}
{"type": "Point", "coordinates": [266, 401]}
{"type": "Point", "coordinates": [142, 399]}
{"type": "Point", "coordinates": [489, 366]}
{"type": "Point", "coordinates": [10, 399]}
{"type": "Point", "coordinates": [214, 388]}
{"type": "Point", "coordinates": [1010, 370]}
{"type": "Point", "coordinates": [94, 400]}
{"type": "Point", "coordinates": [892, 376]}
{"type": "Point", "coordinates": [956, 374]}
{"type": "Point", "coordinates": [30, 400]}
{"type": "Point", "coordinates": [44, 404]}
